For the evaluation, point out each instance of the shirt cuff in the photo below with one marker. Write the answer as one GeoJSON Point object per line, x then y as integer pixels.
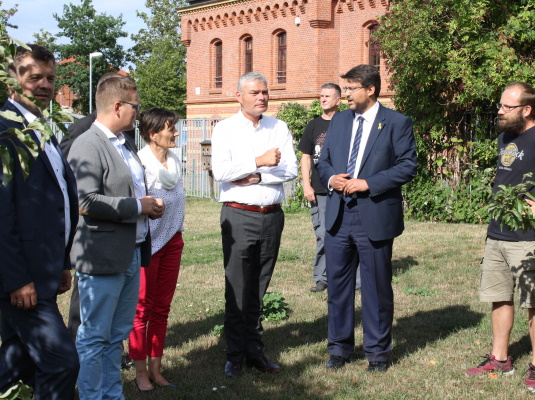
{"type": "Point", "coordinates": [138, 207]}
{"type": "Point", "coordinates": [329, 184]}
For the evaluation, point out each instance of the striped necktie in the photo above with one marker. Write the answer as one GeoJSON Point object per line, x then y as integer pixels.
{"type": "Point", "coordinates": [351, 164]}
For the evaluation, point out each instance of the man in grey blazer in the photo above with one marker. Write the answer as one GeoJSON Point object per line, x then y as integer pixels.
{"type": "Point", "coordinates": [112, 240]}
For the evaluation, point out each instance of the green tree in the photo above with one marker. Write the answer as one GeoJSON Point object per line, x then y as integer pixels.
{"type": "Point", "coordinates": [160, 57]}
{"type": "Point", "coordinates": [5, 15]}
{"type": "Point", "coordinates": [451, 56]}
{"type": "Point", "coordinates": [87, 32]}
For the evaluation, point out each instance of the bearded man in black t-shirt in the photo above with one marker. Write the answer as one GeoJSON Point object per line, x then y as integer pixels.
{"type": "Point", "coordinates": [509, 259]}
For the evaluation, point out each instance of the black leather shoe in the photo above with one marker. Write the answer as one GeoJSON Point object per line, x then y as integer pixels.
{"type": "Point", "coordinates": [336, 362]}
{"type": "Point", "coordinates": [320, 287]}
{"type": "Point", "coordinates": [377, 366]}
{"type": "Point", "coordinates": [264, 365]}
{"type": "Point", "coordinates": [233, 369]}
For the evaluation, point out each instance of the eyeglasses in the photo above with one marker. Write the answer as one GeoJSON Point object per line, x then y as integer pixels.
{"type": "Point", "coordinates": [137, 107]}
{"type": "Point", "coordinates": [507, 109]}
{"type": "Point", "coordinates": [352, 89]}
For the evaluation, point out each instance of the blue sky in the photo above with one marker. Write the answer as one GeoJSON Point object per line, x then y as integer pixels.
{"type": "Point", "coordinates": [36, 14]}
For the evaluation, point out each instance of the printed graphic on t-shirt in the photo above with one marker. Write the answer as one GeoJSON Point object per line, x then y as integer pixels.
{"type": "Point", "coordinates": [509, 155]}
{"type": "Point", "coordinates": [320, 141]}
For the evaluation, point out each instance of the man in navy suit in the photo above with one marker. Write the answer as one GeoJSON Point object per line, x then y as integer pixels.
{"type": "Point", "coordinates": [38, 215]}
{"type": "Point", "coordinates": [369, 153]}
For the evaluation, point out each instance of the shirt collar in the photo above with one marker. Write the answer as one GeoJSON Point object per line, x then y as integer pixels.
{"type": "Point", "coordinates": [369, 115]}
{"type": "Point", "coordinates": [246, 120]}
{"type": "Point", "coordinates": [109, 134]}
{"type": "Point", "coordinates": [29, 116]}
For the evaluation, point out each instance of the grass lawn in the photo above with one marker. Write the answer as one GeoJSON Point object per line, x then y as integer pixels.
{"type": "Point", "coordinates": [440, 328]}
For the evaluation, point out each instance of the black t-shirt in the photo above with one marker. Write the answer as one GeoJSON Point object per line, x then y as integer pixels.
{"type": "Point", "coordinates": [311, 143]}
{"type": "Point", "coordinates": [515, 158]}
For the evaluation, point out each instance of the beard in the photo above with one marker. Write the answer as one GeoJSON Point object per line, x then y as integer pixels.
{"type": "Point", "coordinates": [511, 124]}
{"type": "Point", "coordinates": [359, 108]}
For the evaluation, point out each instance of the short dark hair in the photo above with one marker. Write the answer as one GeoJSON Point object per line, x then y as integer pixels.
{"type": "Point", "coordinates": [366, 75]}
{"type": "Point", "coordinates": [527, 95]}
{"type": "Point", "coordinates": [334, 86]}
{"type": "Point", "coordinates": [115, 88]}
{"type": "Point", "coordinates": [155, 120]}
{"type": "Point", "coordinates": [37, 52]}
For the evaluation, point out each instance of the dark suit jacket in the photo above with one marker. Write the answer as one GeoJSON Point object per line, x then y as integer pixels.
{"type": "Point", "coordinates": [32, 227]}
{"type": "Point", "coordinates": [80, 126]}
{"type": "Point", "coordinates": [388, 162]}
{"type": "Point", "coordinates": [106, 235]}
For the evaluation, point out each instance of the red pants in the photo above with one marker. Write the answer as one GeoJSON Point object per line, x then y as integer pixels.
{"type": "Point", "coordinates": [156, 289]}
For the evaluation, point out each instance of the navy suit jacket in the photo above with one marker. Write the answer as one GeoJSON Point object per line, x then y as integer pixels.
{"type": "Point", "coordinates": [32, 215]}
{"type": "Point", "coordinates": [389, 161]}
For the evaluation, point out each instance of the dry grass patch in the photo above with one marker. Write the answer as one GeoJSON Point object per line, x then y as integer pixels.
{"type": "Point", "coordinates": [440, 328]}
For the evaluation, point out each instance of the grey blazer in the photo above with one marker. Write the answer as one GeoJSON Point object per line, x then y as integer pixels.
{"type": "Point", "coordinates": [106, 236]}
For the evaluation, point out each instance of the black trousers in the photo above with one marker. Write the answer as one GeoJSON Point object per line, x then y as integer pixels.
{"type": "Point", "coordinates": [74, 311]}
{"type": "Point", "coordinates": [251, 243]}
{"type": "Point", "coordinates": [36, 348]}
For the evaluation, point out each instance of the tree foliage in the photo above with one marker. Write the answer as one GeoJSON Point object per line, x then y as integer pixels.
{"type": "Point", "coordinates": [451, 56]}
{"type": "Point", "coordinates": [86, 32]}
{"type": "Point", "coordinates": [8, 50]}
{"type": "Point", "coordinates": [297, 116]}
{"type": "Point", "coordinates": [5, 15]}
{"type": "Point", "coordinates": [160, 57]}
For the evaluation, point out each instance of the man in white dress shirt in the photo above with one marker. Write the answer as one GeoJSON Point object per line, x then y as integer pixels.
{"type": "Point", "coordinates": [252, 156]}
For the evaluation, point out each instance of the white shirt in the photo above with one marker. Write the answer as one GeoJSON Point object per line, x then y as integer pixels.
{"type": "Point", "coordinates": [163, 229]}
{"type": "Point", "coordinates": [57, 165]}
{"type": "Point", "coordinates": [369, 117]}
{"type": "Point", "coordinates": [236, 143]}
{"type": "Point", "coordinates": [138, 177]}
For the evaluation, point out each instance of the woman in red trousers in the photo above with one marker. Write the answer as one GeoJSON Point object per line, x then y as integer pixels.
{"type": "Point", "coordinates": [158, 280]}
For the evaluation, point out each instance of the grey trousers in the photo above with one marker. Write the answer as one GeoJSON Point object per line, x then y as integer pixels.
{"type": "Point", "coordinates": [251, 243]}
{"type": "Point", "coordinates": [317, 212]}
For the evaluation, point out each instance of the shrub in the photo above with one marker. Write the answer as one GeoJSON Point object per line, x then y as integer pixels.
{"type": "Point", "coordinates": [275, 308]}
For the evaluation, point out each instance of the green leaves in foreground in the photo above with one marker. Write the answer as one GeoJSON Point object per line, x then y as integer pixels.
{"type": "Point", "coordinates": [18, 392]}
{"type": "Point", "coordinates": [8, 49]}
{"type": "Point", "coordinates": [275, 309]}
{"type": "Point", "coordinates": [510, 206]}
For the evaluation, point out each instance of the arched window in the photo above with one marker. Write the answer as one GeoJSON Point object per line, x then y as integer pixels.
{"type": "Point", "coordinates": [281, 57]}
{"type": "Point", "coordinates": [373, 47]}
{"type": "Point", "coordinates": [218, 64]}
{"type": "Point", "coordinates": [248, 56]}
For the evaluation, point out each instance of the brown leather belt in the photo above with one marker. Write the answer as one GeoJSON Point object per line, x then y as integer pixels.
{"type": "Point", "coordinates": [247, 207]}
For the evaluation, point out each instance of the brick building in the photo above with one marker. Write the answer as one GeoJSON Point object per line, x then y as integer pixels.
{"type": "Point", "coordinates": [297, 44]}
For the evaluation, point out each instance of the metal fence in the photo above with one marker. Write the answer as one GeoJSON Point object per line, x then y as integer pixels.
{"type": "Point", "coordinates": [198, 182]}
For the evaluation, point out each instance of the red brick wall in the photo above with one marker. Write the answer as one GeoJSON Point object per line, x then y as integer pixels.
{"type": "Point", "coordinates": [330, 39]}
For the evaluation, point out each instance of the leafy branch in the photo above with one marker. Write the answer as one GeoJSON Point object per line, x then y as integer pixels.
{"type": "Point", "coordinates": [510, 206]}
{"type": "Point", "coordinates": [18, 392]}
{"type": "Point", "coordinates": [8, 50]}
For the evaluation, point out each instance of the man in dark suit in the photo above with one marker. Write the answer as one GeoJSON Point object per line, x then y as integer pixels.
{"type": "Point", "coordinates": [112, 240]}
{"type": "Point", "coordinates": [39, 215]}
{"type": "Point", "coordinates": [369, 153]}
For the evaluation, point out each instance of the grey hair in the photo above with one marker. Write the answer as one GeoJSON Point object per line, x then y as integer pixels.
{"type": "Point", "coordinates": [251, 76]}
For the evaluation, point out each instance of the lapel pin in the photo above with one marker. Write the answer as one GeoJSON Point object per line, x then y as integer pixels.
{"type": "Point", "coordinates": [379, 126]}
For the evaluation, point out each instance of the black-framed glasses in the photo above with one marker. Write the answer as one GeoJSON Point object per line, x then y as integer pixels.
{"type": "Point", "coordinates": [352, 89]}
{"type": "Point", "coordinates": [137, 107]}
{"type": "Point", "coordinates": [506, 108]}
